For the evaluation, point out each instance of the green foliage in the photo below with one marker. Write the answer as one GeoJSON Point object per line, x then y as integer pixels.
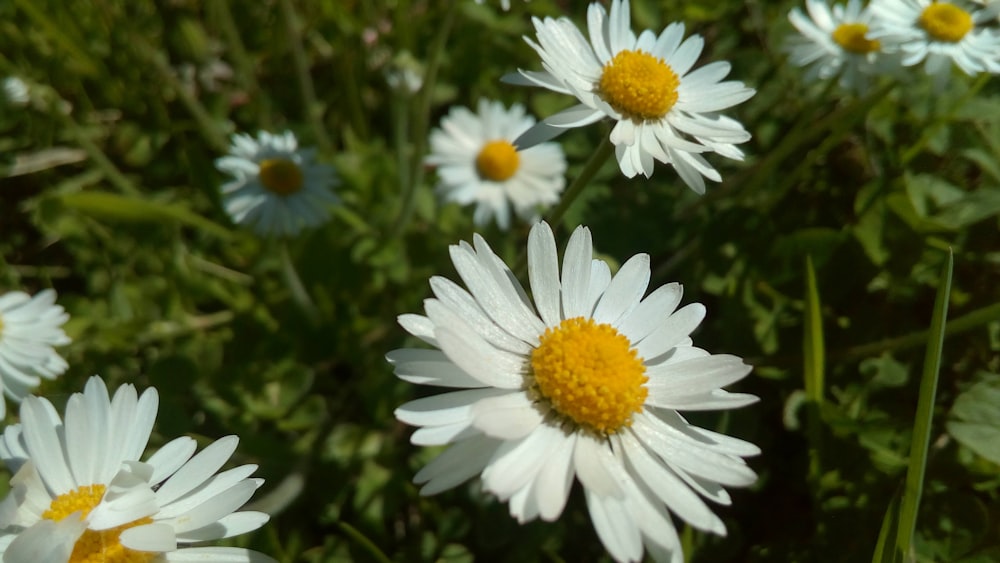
{"type": "Point", "coordinates": [108, 193]}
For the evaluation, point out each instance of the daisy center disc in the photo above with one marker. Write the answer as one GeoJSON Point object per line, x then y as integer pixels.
{"type": "Point", "coordinates": [589, 373]}
{"type": "Point", "coordinates": [945, 22]}
{"type": "Point", "coordinates": [280, 176]}
{"type": "Point", "coordinates": [851, 37]}
{"type": "Point", "coordinates": [96, 546]}
{"type": "Point", "coordinates": [498, 160]}
{"type": "Point", "coordinates": [639, 85]}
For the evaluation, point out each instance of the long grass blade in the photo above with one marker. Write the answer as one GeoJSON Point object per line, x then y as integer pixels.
{"type": "Point", "coordinates": [814, 356]}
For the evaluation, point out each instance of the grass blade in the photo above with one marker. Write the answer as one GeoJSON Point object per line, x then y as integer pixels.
{"type": "Point", "coordinates": [919, 445]}
{"type": "Point", "coordinates": [884, 548]}
{"type": "Point", "coordinates": [814, 357]}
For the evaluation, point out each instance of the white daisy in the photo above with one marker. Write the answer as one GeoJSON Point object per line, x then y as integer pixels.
{"type": "Point", "coordinates": [939, 33]}
{"type": "Point", "coordinates": [478, 163]}
{"type": "Point", "coordinates": [584, 379]}
{"type": "Point", "coordinates": [80, 493]}
{"type": "Point", "coordinates": [505, 4]}
{"type": "Point", "coordinates": [29, 328]}
{"type": "Point", "coordinates": [278, 188]}
{"type": "Point", "coordinates": [662, 109]}
{"type": "Point", "coordinates": [16, 91]}
{"type": "Point", "coordinates": [834, 41]}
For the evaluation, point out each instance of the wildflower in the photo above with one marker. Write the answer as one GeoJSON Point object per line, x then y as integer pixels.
{"type": "Point", "coordinates": [79, 492]}
{"type": "Point", "coordinates": [16, 91]}
{"type": "Point", "coordinates": [478, 163]}
{"type": "Point", "coordinates": [278, 189]}
{"type": "Point", "coordinates": [661, 108]}
{"type": "Point", "coordinates": [29, 328]}
{"type": "Point", "coordinates": [585, 379]}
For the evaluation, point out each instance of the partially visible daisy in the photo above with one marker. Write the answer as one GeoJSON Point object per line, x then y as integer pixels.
{"type": "Point", "coordinates": [505, 4]}
{"type": "Point", "coordinates": [834, 42]}
{"type": "Point", "coordinates": [278, 189]}
{"type": "Point", "coordinates": [939, 33]}
{"type": "Point", "coordinates": [478, 163]}
{"type": "Point", "coordinates": [15, 91]}
{"type": "Point", "coordinates": [662, 109]}
{"type": "Point", "coordinates": [29, 328]}
{"type": "Point", "coordinates": [80, 493]}
{"type": "Point", "coordinates": [586, 379]}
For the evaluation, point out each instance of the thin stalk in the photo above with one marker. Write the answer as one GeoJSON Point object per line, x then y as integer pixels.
{"type": "Point", "coordinates": [314, 111]}
{"type": "Point", "coordinates": [596, 161]}
{"type": "Point", "coordinates": [299, 293]}
{"type": "Point", "coordinates": [364, 542]}
{"type": "Point", "coordinates": [245, 71]}
{"type": "Point", "coordinates": [108, 168]}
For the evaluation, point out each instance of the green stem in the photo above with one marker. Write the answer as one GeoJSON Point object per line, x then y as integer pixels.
{"type": "Point", "coordinates": [108, 168]}
{"type": "Point", "coordinates": [245, 71]}
{"type": "Point", "coordinates": [363, 541]}
{"type": "Point", "coordinates": [314, 111]}
{"type": "Point", "coordinates": [299, 293]}
{"type": "Point", "coordinates": [940, 120]}
{"type": "Point", "coordinates": [596, 161]}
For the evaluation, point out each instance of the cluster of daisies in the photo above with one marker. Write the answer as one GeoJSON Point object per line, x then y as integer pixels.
{"type": "Point", "coordinates": [858, 43]}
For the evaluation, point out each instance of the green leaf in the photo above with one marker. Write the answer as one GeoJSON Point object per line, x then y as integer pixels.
{"type": "Point", "coordinates": [910, 503]}
{"type": "Point", "coordinates": [975, 418]}
{"type": "Point", "coordinates": [972, 208]}
{"type": "Point", "coordinates": [812, 344]}
{"type": "Point", "coordinates": [114, 207]}
{"type": "Point", "coordinates": [890, 526]}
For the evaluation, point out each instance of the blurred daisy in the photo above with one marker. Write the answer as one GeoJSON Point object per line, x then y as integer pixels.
{"type": "Point", "coordinates": [278, 189]}
{"type": "Point", "coordinates": [939, 33]}
{"type": "Point", "coordinates": [505, 4]}
{"type": "Point", "coordinates": [587, 383]}
{"type": "Point", "coordinates": [80, 493]}
{"type": "Point", "coordinates": [29, 328]}
{"type": "Point", "coordinates": [15, 91]}
{"type": "Point", "coordinates": [478, 163]}
{"type": "Point", "coordinates": [834, 41]}
{"type": "Point", "coordinates": [663, 110]}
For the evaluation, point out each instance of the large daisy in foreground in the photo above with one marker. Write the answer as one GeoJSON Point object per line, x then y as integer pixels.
{"type": "Point", "coordinates": [662, 109]}
{"type": "Point", "coordinates": [583, 380]}
{"type": "Point", "coordinates": [478, 163]}
{"type": "Point", "coordinates": [29, 329]}
{"type": "Point", "coordinates": [278, 189]}
{"type": "Point", "coordinates": [80, 494]}
{"type": "Point", "coordinates": [939, 33]}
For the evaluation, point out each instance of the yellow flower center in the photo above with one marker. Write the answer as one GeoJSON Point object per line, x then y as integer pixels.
{"type": "Point", "coordinates": [96, 546]}
{"type": "Point", "coordinates": [590, 373]}
{"type": "Point", "coordinates": [639, 85]}
{"type": "Point", "coordinates": [497, 161]}
{"type": "Point", "coordinates": [945, 22]}
{"type": "Point", "coordinates": [281, 176]}
{"type": "Point", "coordinates": [851, 36]}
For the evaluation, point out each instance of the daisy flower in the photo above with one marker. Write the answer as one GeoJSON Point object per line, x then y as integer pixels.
{"type": "Point", "coordinates": [833, 41]}
{"type": "Point", "coordinates": [16, 91]}
{"type": "Point", "coordinates": [29, 328]}
{"type": "Point", "coordinates": [661, 108]}
{"type": "Point", "coordinates": [505, 4]}
{"type": "Point", "coordinates": [278, 189]}
{"type": "Point", "coordinates": [585, 379]}
{"type": "Point", "coordinates": [80, 494]}
{"type": "Point", "coordinates": [478, 163]}
{"type": "Point", "coordinates": [939, 33]}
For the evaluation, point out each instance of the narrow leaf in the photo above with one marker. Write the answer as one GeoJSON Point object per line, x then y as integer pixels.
{"type": "Point", "coordinates": [813, 350]}
{"type": "Point", "coordinates": [109, 206]}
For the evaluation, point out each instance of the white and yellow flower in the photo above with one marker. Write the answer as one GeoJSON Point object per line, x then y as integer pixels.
{"type": "Point", "coordinates": [29, 329]}
{"type": "Point", "coordinates": [80, 494]}
{"type": "Point", "coordinates": [663, 110]}
{"type": "Point", "coordinates": [584, 380]}
{"type": "Point", "coordinates": [278, 189]}
{"type": "Point", "coordinates": [833, 42]}
{"type": "Point", "coordinates": [477, 163]}
{"type": "Point", "coordinates": [938, 34]}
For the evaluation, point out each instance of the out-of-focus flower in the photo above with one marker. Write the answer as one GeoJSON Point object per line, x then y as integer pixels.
{"type": "Point", "coordinates": [586, 379]}
{"type": "Point", "coordinates": [662, 109]}
{"type": "Point", "coordinates": [15, 91]}
{"type": "Point", "coordinates": [833, 42]}
{"type": "Point", "coordinates": [939, 33]}
{"type": "Point", "coordinates": [29, 328]}
{"type": "Point", "coordinates": [79, 492]}
{"type": "Point", "coordinates": [478, 163]}
{"type": "Point", "coordinates": [505, 4]}
{"type": "Point", "coordinates": [278, 189]}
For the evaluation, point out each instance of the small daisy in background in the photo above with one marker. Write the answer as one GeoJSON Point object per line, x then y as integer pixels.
{"type": "Point", "coordinates": [29, 328]}
{"type": "Point", "coordinates": [15, 91]}
{"type": "Point", "coordinates": [833, 42]}
{"type": "Point", "coordinates": [505, 4]}
{"type": "Point", "coordinates": [79, 492]}
{"type": "Point", "coordinates": [477, 162]}
{"type": "Point", "coordinates": [585, 379]}
{"type": "Point", "coordinates": [662, 109]}
{"type": "Point", "coordinates": [278, 189]}
{"type": "Point", "coordinates": [939, 33]}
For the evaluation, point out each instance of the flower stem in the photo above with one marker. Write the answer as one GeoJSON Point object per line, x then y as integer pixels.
{"type": "Point", "coordinates": [596, 161]}
{"type": "Point", "coordinates": [299, 293]}
{"type": "Point", "coordinates": [314, 111]}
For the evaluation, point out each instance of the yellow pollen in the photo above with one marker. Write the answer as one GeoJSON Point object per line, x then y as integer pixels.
{"type": "Point", "coordinates": [497, 161]}
{"type": "Point", "coordinates": [96, 546]}
{"type": "Point", "coordinates": [590, 373]}
{"type": "Point", "coordinates": [639, 85]}
{"type": "Point", "coordinates": [281, 176]}
{"type": "Point", "coordinates": [945, 22]}
{"type": "Point", "coordinates": [851, 36]}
